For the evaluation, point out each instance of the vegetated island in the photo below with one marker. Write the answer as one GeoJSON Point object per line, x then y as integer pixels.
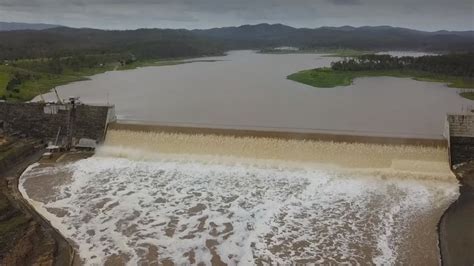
{"type": "Point", "coordinates": [457, 70]}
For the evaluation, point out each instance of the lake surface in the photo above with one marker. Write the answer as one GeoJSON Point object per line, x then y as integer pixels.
{"type": "Point", "coordinates": [250, 90]}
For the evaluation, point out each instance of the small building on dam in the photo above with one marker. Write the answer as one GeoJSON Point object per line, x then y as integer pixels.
{"type": "Point", "coordinates": [460, 135]}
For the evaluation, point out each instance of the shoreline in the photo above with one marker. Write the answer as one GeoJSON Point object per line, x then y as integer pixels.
{"type": "Point", "coordinates": [62, 252]}
{"type": "Point", "coordinates": [46, 82]}
{"type": "Point", "coordinates": [328, 78]}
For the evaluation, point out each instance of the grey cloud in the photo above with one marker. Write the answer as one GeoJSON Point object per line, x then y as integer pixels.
{"type": "Point", "coordinates": [421, 14]}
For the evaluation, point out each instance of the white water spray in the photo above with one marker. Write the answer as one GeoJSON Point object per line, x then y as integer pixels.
{"type": "Point", "coordinates": [157, 197]}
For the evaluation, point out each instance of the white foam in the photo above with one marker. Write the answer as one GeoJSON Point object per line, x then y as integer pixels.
{"type": "Point", "coordinates": [278, 214]}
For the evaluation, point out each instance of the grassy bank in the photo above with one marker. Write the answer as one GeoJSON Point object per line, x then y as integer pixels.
{"type": "Point", "coordinates": [467, 95]}
{"type": "Point", "coordinates": [328, 78]}
{"type": "Point", "coordinates": [37, 79]}
{"type": "Point", "coordinates": [38, 83]}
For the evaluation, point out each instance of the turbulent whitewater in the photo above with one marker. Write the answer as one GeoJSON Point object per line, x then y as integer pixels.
{"type": "Point", "coordinates": [159, 198]}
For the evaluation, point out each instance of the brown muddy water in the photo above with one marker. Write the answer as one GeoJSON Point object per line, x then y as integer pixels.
{"type": "Point", "coordinates": [249, 90]}
{"type": "Point", "coordinates": [159, 198]}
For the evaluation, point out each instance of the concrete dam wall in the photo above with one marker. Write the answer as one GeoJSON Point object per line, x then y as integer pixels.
{"type": "Point", "coordinates": [460, 132]}
{"type": "Point", "coordinates": [47, 121]}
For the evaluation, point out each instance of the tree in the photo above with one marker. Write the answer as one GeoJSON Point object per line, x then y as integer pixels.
{"type": "Point", "coordinates": [54, 65]}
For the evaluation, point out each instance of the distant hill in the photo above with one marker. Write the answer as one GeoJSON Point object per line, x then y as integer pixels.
{"type": "Point", "coordinates": [160, 43]}
{"type": "Point", "coordinates": [378, 37]}
{"type": "Point", "coordinates": [9, 26]}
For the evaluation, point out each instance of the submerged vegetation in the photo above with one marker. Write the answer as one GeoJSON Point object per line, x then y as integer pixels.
{"type": "Point", "coordinates": [456, 70]}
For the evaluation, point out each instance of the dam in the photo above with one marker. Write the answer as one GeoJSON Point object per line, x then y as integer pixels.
{"type": "Point", "coordinates": [165, 196]}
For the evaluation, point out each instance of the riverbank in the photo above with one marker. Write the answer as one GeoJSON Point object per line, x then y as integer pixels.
{"type": "Point", "coordinates": [328, 78]}
{"type": "Point", "coordinates": [25, 237]}
{"type": "Point", "coordinates": [455, 227]}
{"type": "Point", "coordinates": [34, 78]}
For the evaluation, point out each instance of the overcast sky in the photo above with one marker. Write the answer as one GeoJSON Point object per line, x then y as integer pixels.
{"type": "Point", "coordinates": [131, 14]}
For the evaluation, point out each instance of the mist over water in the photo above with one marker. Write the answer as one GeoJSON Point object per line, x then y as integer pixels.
{"type": "Point", "coordinates": [249, 90]}
{"type": "Point", "coordinates": [157, 197]}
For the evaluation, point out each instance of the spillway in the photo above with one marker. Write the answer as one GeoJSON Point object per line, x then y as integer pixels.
{"type": "Point", "coordinates": [158, 197]}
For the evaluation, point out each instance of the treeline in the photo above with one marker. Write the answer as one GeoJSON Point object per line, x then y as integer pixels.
{"type": "Point", "coordinates": [451, 64]}
{"type": "Point", "coordinates": [34, 70]}
{"type": "Point", "coordinates": [359, 38]}
{"type": "Point", "coordinates": [65, 42]}
{"type": "Point", "coordinates": [17, 78]}
{"type": "Point", "coordinates": [75, 63]}
{"type": "Point", "coordinates": [169, 43]}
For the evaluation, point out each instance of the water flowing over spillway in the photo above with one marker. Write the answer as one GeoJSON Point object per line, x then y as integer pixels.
{"type": "Point", "coordinates": [159, 197]}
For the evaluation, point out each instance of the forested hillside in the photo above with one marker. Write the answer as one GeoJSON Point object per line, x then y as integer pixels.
{"type": "Point", "coordinates": [166, 43]}
{"type": "Point", "coordinates": [362, 38]}
{"type": "Point", "coordinates": [68, 42]}
{"type": "Point", "coordinates": [455, 64]}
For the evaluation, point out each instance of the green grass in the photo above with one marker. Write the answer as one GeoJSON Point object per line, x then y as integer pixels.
{"type": "Point", "coordinates": [468, 95]}
{"type": "Point", "coordinates": [328, 78]}
{"type": "Point", "coordinates": [40, 82]}
{"type": "Point", "coordinates": [30, 89]}
{"type": "Point", "coordinates": [4, 79]}
{"type": "Point", "coordinates": [322, 78]}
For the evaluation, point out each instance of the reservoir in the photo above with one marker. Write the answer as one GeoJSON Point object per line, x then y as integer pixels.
{"type": "Point", "coordinates": [249, 90]}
